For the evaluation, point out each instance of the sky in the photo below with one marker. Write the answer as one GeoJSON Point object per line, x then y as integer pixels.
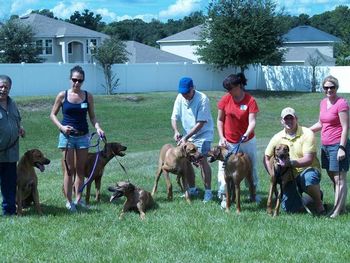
{"type": "Point", "coordinates": [117, 10]}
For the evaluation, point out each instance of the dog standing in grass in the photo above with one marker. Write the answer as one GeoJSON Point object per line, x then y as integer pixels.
{"type": "Point", "coordinates": [176, 160]}
{"type": "Point", "coordinates": [237, 167]}
{"type": "Point", "coordinates": [136, 198]}
{"type": "Point", "coordinates": [282, 173]}
{"type": "Point", "coordinates": [109, 151]}
{"type": "Point", "coordinates": [27, 181]}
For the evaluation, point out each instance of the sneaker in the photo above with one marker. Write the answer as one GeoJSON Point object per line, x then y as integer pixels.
{"type": "Point", "coordinates": [71, 207]}
{"type": "Point", "coordinates": [208, 196]}
{"type": "Point", "coordinates": [193, 192]}
{"type": "Point", "coordinates": [81, 204]}
{"type": "Point", "coordinates": [223, 202]}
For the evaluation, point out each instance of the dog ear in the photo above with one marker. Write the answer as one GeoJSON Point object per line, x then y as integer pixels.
{"type": "Point", "coordinates": [131, 187]}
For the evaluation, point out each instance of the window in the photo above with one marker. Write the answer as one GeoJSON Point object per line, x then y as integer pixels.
{"type": "Point", "coordinates": [39, 45]}
{"type": "Point", "coordinates": [48, 47]}
{"type": "Point", "coordinates": [70, 48]}
{"type": "Point", "coordinates": [45, 46]}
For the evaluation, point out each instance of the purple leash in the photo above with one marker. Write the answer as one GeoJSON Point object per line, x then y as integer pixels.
{"type": "Point", "coordinates": [96, 160]}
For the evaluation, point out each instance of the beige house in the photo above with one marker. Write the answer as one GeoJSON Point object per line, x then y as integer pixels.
{"type": "Point", "coordinates": [300, 43]}
{"type": "Point", "coordinates": [62, 41]}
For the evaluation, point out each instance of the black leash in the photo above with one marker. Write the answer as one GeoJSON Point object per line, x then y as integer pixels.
{"type": "Point", "coordinates": [115, 156]}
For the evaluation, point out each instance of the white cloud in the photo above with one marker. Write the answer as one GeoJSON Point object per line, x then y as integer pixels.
{"type": "Point", "coordinates": [106, 14]}
{"type": "Point", "coordinates": [181, 7]}
{"type": "Point", "coordinates": [18, 5]}
{"type": "Point", "coordinates": [65, 11]}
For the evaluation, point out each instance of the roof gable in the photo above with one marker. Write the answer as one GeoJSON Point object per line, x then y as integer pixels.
{"type": "Point", "coordinates": [44, 26]}
{"type": "Point", "coordinates": [141, 53]}
{"type": "Point", "coordinates": [308, 34]}
{"type": "Point", "coordinates": [191, 34]}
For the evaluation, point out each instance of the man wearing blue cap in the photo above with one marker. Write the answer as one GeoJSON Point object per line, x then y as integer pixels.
{"type": "Point", "coordinates": [192, 109]}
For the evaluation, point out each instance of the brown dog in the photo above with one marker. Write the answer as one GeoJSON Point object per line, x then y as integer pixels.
{"type": "Point", "coordinates": [110, 150]}
{"type": "Point", "coordinates": [282, 174]}
{"type": "Point", "coordinates": [136, 198]}
{"type": "Point", "coordinates": [237, 167]}
{"type": "Point", "coordinates": [27, 181]}
{"type": "Point", "coordinates": [177, 160]}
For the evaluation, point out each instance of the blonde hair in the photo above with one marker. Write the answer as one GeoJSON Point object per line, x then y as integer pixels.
{"type": "Point", "coordinates": [331, 79]}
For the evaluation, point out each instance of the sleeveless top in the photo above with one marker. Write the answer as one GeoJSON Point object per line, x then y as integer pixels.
{"type": "Point", "coordinates": [74, 114]}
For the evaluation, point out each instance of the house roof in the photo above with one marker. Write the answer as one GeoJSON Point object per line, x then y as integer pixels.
{"type": "Point", "coordinates": [190, 35]}
{"type": "Point", "coordinates": [44, 26]}
{"type": "Point", "coordinates": [308, 34]}
{"type": "Point", "coordinates": [141, 53]}
{"type": "Point", "coordinates": [297, 34]}
{"type": "Point", "coordinates": [301, 54]}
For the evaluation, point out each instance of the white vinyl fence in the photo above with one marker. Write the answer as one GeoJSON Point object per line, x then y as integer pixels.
{"type": "Point", "coordinates": [50, 78]}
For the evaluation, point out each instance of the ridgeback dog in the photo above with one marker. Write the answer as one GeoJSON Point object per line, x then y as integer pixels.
{"type": "Point", "coordinates": [110, 150]}
{"type": "Point", "coordinates": [282, 174]}
{"type": "Point", "coordinates": [27, 181]}
{"type": "Point", "coordinates": [237, 168]}
{"type": "Point", "coordinates": [136, 198]}
{"type": "Point", "coordinates": [177, 160]}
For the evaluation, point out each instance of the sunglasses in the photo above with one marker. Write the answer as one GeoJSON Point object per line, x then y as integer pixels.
{"type": "Point", "coordinates": [328, 87]}
{"type": "Point", "coordinates": [77, 80]}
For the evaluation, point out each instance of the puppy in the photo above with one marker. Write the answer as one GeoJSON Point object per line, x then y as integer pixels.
{"type": "Point", "coordinates": [27, 181]}
{"type": "Point", "coordinates": [237, 167]}
{"type": "Point", "coordinates": [110, 150]}
{"type": "Point", "coordinates": [282, 174]}
{"type": "Point", "coordinates": [136, 198]}
{"type": "Point", "coordinates": [177, 160]}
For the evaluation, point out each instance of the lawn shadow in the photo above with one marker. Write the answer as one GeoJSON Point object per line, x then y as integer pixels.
{"type": "Point", "coordinates": [52, 210]}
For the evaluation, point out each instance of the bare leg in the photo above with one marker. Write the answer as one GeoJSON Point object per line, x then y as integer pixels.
{"type": "Point", "coordinates": [340, 193]}
{"type": "Point", "coordinates": [206, 173]}
{"type": "Point", "coordinates": [68, 176]}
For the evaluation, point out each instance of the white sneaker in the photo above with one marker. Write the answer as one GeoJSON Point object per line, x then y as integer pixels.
{"type": "Point", "coordinates": [71, 207]}
{"type": "Point", "coordinates": [223, 202]}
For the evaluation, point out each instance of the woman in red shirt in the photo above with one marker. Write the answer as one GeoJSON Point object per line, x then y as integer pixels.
{"type": "Point", "coordinates": [236, 121]}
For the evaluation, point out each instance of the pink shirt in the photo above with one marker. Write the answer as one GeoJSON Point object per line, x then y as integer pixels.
{"type": "Point", "coordinates": [331, 127]}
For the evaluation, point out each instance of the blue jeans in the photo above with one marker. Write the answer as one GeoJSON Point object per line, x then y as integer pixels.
{"type": "Point", "coordinates": [74, 142]}
{"type": "Point", "coordinates": [291, 199]}
{"type": "Point", "coordinates": [8, 179]}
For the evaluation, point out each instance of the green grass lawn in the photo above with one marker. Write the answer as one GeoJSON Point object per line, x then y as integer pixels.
{"type": "Point", "coordinates": [173, 231]}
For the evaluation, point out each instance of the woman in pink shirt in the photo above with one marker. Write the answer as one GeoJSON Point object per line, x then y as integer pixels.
{"type": "Point", "coordinates": [334, 124]}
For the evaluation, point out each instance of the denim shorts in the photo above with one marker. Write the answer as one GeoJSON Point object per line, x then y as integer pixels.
{"type": "Point", "coordinates": [203, 146]}
{"type": "Point", "coordinates": [329, 158]}
{"type": "Point", "coordinates": [74, 142]}
{"type": "Point", "coordinates": [291, 199]}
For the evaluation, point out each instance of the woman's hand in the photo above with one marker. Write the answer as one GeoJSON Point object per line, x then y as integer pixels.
{"type": "Point", "coordinates": [100, 132]}
{"type": "Point", "coordinates": [341, 154]}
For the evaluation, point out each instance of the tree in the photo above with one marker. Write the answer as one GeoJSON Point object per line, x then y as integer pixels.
{"type": "Point", "coordinates": [17, 43]}
{"type": "Point", "coordinates": [44, 12]}
{"type": "Point", "coordinates": [112, 51]}
{"type": "Point", "coordinates": [87, 19]}
{"type": "Point", "coordinates": [314, 61]}
{"type": "Point", "coordinates": [239, 33]}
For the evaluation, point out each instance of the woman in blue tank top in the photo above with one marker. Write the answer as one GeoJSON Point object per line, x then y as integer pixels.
{"type": "Point", "coordinates": [76, 104]}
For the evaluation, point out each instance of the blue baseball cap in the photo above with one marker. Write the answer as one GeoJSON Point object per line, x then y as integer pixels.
{"type": "Point", "coordinates": [185, 85]}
